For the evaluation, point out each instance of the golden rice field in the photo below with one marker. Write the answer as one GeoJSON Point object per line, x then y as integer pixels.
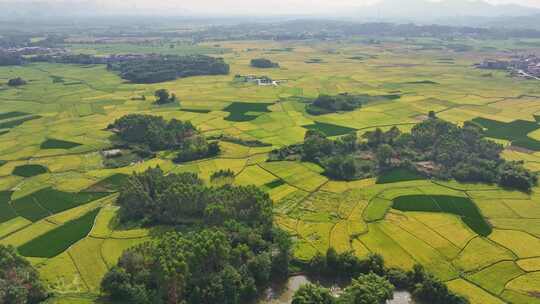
{"type": "Point", "coordinates": [502, 267]}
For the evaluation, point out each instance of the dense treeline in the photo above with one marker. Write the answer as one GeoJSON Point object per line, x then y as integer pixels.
{"type": "Point", "coordinates": [263, 63]}
{"type": "Point", "coordinates": [371, 282]}
{"type": "Point", "coordinates": [19, 281]}
{"type": "Point", "coordinates": [253, 143]}
{"type": "Point", "coordinates": [156, 134]}
{"type": "Point", "coordinates": [69, 59]}
{"type": "Point", "coordinates": [15, 82]}
{"type": "Point", "coordinates": [434, 147]}
{"type": "Point", "coordinates": [325, 104]}
{"type": "Point", "coordinates": [7, 59]}
{"type": "Point", "coordinates": [229, 254]}
{"type": "Point", "coordinates": [166, 68]}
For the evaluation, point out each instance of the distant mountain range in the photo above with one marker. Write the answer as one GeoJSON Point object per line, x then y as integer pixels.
{"type": "Point", "coordinates": [477, 13]}
{"type": "Point", "coordinates": [446, 11]}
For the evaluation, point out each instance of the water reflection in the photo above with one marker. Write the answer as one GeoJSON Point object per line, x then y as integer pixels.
{"type": "Point", "coordinates": [282, 293]}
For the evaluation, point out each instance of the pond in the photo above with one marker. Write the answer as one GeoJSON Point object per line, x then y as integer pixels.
{"type": "Point", "coordinates": [283, 293]}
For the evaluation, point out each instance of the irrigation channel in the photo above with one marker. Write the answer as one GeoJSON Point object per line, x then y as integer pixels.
{"type": "Point", "coordinates": [282, 293]}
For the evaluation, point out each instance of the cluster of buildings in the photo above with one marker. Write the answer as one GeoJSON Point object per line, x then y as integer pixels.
{"type": "Point", "coordinates": [527, 66]}
{"type": "Point", "coordinates": [259, 80]}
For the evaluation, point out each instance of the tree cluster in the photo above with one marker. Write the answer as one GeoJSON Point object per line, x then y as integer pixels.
{"type": "Point", "coordinates": [19, 281]}
{"type": "Point", "coordinates": [229, 254]}
{"type": "Point", "coordinates": [337, 157]}
{"type": "Point", "coordinates": [164, 97]}
{"type": "Point", "coordinates": [366, 289]}
{"type": "Point", "coordinates": [84, 59]}
{"type": "Point", "coordinates": [153, 197]}
{"type": "Point", "coordinates": [455, 152]}
{"type": "Point", "coordinates": [157, 134]}
{"type": "Point", "coordinates": [222, 176]}
{"type": "Point", "coordinates": [16, 82]}
{"type": "Point", "coordinates": [371, 282]}
{"type": "Point", "coordinates": [424, 286]}
{"type": "Point", "coordinates": [325, 104]}
{"type": "Point", "coordinates": [252, 143]}
{"type": "Point", "coordinates": [166, 68]}
{"type": "Point", "coordinates": [263, 63]}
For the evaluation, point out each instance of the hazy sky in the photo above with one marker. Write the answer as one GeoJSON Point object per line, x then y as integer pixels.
{"type": "Point", "coordinates": [247, 6]}
{"type": "Point", "coordinates": [273, 5]}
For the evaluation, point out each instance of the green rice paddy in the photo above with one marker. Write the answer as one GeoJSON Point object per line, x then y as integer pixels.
{"type": "Point", "coordinates": [46, 182]}
{"type": "Point", "coordinates": [49, 201]}
{"type": "Point", "coordinates": [17, 122]}
{"type": "Point", "coordinates": [459, 206]}
{"type": "Point", "coordinates": [58, 240]}
{"type": "Point", "coordinates": [13, 114]}
{"type": "Point", "coordinates": [330, 129]}
{"type": "Point", "coordinates": [6, 211]}
{"type": "Point", "coordinates": [58, 144]}
{"type": "Point", "coordinates": [29, 170]}
{"type": "Point", "coordinates": [516, 132]}
{"type": "Point", "coordinates": [398, 175]}
{"type": "Point", "coordinates": [111, 183]}
{"type": "Point", "coordinates": [245, 111]}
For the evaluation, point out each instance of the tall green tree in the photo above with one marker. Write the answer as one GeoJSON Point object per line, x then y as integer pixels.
{"type": "Point", "coordinates": [312, 294]}
{"type": "Point", "coordinates": [367, 289]}
{"type": "Point", "coordinates": [19, 281]}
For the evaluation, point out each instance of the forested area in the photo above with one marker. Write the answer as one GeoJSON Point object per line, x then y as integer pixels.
{"type": "Point", "coordinates": [19, 281]}
{"type": "Point", "coordinates": [228, 251]}
{"type": "Point", "coordinates": [156, 134]}
{"type": "Point", "coordinates": [166, 68]}
{"type": "Point", "coordinates": [434, 147]}
{"type": "Point", "coordinates": [325, 104]}
{"type": "Point", "coordinates": [7, 59]}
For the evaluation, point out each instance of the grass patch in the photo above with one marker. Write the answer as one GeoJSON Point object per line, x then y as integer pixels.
{"type": "Point", "coordinates": [399, 175]}
{"type": "Point", "coordinates": [200, 111]}
{"type": "Point", "coordinates": [422, 82]}
{"type": "Point", "coordinates": [6, 211]}
{"type": "Point", "coordinates": [111, 183]}
{"type": "Point", "coordinates": [238, 110]}
{"type": "Point", "coordinates": [463, 207]}
{"type": "Point", "coordinates": [58, 240]}
{"type": "Point", "coordinates": [377, 209]}
{"type": "Point", "coordinates": [29, 170]}
{"type": "Point", "coordinates": [14, 114]}
{"type": "Point", "coordinates": [274, 184]}
{"type": "Point", "coordinates": [515, 131]}
{"type": "Point", "coordinates": [58, 144]}
{"type": "Point", "coordinates": [314, 60]}
{"type": "Point", "coordinates": [329, 129]}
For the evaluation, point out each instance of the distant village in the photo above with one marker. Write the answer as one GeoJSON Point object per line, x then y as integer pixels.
{"type": "Point", "coordinates": [525, 66]}
{"type": "Point", "coordinates": [32, 50]}
{"type": "Point", "coordinates": [259, 80]}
